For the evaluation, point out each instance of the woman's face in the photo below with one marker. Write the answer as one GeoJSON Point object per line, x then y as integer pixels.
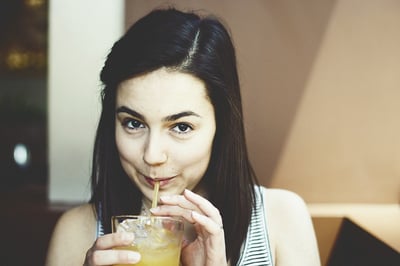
{"type": "Point", "coordinates": [165, 126]}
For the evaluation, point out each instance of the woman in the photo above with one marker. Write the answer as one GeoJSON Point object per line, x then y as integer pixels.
{"type": "Point", "coordinates": [171, 112]}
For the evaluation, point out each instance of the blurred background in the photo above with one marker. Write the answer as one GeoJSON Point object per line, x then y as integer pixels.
{"type": "Point", "coordinates": [23, 94]}
{"type": "Point", "coordinates": [320, 85]}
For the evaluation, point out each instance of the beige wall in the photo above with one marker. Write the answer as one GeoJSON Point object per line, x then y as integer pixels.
{"type": "Point", "coordinates": [321, 88]}
{"type": "Point", "coordinates": [344, 144]}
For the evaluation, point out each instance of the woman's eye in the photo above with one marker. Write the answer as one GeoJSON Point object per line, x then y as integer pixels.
{"type": "Point", "coordinates": [132, 124]}
{"type": "Point", "coordinates": [182, 128]}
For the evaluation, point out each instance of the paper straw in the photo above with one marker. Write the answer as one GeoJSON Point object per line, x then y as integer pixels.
{"type": "Point", "coordinates": [155, 194]}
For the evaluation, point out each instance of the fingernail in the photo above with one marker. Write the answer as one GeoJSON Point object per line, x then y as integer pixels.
{"type": "Point", "coordinates": [164, 198]}
{"type": "Point", "coordinates": [189, 192]}
{"type": "Point", "coordinates": [195, 214]}
{"type": "Point", "coordinates": [153, 210]}
{"type": "Point", "coordinates": [133, 257]}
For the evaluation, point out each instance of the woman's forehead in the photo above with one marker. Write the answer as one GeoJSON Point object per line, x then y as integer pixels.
{"type": "Point", "coordinates": [170, 91]}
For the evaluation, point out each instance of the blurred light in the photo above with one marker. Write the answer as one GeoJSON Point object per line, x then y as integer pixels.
{"type": "Point", "coordinates": [17, 60]}
{"type": "Point", "coordinates": [20, 59]}
{"type": "Point", "coordinates": [21, 155]}
{"type": "Point", "coordinates": [34, 3]}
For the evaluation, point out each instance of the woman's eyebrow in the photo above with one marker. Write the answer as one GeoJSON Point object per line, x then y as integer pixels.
{"type": "Point", "coordinates": [124, 109]}
{"type": "Point", "coordinates": [174, 117]}
{"type": "Point", "coordinates": [179, 115]}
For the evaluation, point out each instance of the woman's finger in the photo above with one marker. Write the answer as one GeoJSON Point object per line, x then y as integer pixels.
{"type": "Point", "coordinates": [178, 200]}
{"type": "Point", "coordinates": [204, 206]}
{"type": "Point", "coordinates": [109, 257]}
{"type": "Point", "coordinates": [193, 208]}
{"type": "Point", "coordinates": [114, 240]}
{"type": "Point", "coordinates": [191, 201]}
{"type": "Point", "coordinates": [173, 210]}
{"type": "Point", "coordinates": [207, 223]}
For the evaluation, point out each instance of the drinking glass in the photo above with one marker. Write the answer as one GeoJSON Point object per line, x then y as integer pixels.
{"type": "Point", "coordinates": [158, 239]}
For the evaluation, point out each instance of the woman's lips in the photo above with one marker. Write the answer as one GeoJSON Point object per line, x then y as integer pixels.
{"type": "Point", "coordinates": [163, 180]}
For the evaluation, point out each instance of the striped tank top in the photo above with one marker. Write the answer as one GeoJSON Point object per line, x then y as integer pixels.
{"type": "Point", "coordinates": [256, 250]}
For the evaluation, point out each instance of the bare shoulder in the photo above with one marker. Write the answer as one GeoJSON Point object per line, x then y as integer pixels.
{"type": "Point", "coordinates": [281, 194]}
{"type": "Point", "coordinates": [82, 212]}
{"type": "Point", "coordinates": [73, 235]}
{"type": "Point", "coordinates": [278, 199]}
{"type": "Point", "coordinates": [291, 230]}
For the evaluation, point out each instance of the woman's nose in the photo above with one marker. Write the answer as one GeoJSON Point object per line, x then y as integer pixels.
{"type": "Point", "coordinates": [154, 152]}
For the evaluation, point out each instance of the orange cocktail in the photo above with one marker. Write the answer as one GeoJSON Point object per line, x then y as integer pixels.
{"type": "Point", "coordinates": [157, 239]}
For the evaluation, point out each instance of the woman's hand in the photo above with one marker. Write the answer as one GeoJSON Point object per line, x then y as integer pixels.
{"type": "Point", "coordinates": [101, 253]}
{"type": "Point", "coordinates": [208, 249]}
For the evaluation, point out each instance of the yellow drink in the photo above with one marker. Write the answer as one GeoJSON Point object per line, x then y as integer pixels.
{"type": "Point", "coordinates": [166, 256]}
{"type": "Point", "coordinates": [157, 239]}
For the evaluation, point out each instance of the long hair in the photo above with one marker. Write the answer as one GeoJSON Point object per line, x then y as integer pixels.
{"type": "Point", "coordinates": [202, 47]}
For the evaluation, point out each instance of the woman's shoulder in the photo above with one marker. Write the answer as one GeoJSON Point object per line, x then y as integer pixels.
{"type": "Point", "coordinates": [289, 222]}
{"type": "Point", "coordinates": [73, 234]}
{"type": "Point", "coordinates": [285, 205]}
{"type": "Point", "coordinates": [78, 219]}
{"type": "Point", "coordinates": [281, 198]}
{"type": "Point", "coordinates": [78, 213]}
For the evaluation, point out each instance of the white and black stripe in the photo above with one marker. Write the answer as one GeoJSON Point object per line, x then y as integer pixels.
{"type": "Point", "coordinates": [256, 249]}
{"type": "Point", "coordinates": [99, 227]}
